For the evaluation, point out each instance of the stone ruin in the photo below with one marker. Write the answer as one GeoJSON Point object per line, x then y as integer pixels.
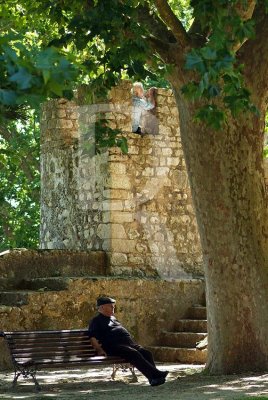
{"type": "Point", "coordinates": [136, 207]}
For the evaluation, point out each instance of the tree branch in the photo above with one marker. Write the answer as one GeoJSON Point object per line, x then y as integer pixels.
{"type": "Point", "coordinates": [245, 13]}
{"type": "Point", "coordinates": [155, 25]}
{"type": "Point", "coordinates": [197, 34]}
{"type": "Point", "coordinates": [172, 22]}
{"type": "Point", "coordinates": [161, 48]}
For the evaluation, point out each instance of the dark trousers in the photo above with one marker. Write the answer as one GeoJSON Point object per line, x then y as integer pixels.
{"type": "Point", "coordinates": [141, 358]}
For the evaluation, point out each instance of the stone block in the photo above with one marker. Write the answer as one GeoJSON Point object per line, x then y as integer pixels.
{"type": "Point", "coordinates": [119, 182]}
{"type": "Point", "coordinates": [64, 124]}
{"type": "Point", "coordinates": [164, 130]}
{"type": "Point", "coordinates": [148, 171]}
{"type": "Point", "coordinates": [154, 248]}
{"type": "Point", "coordinates": [164, 110]}
{"type": "Point", "coordinates": [147, 150]}
{"type": "Point", "coordinates": [129, 205]}
{"type": "Point", "coordinates": [123, 246]}
{"type": "Point", "coordinates": [118, 217]}
{"type": "Point", "coordinates": [136, 260]}
{"type": "Point", "coordinates": [113, 205]}
{"type": "Point", "coordinates": [117, 168]}
{"type": "Point", "coordinates": [167, 152]}
{"type": "Point", "coordinates": [141, 248]}
{"type": "Point", "coordinates": [118, 231]}
{"type": "Point", "coordinates": [133, 234]}
{"type": "Point", "coordinates": [117, 194]}
{"type": "Point", "coordinates": [118, 259]}
{"type": "Point", "coordinates": [171, 121]}
{"type": "Point", "coordinates": [133, 150]}
{"type": "Point", "coordinates": [104, 231]}
{"type": "Point", "coordinates": [160, 171]}
{"type": "Point", "coordinates": [160, 100]}
{"type": "Point", "coordinates": [162, 161]}
{"type": "Point", "coordinates": [61, 113]}
{"type": "Point", "coordinates": [159, 237]}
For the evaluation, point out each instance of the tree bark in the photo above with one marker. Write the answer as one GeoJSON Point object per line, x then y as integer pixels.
{"type": "Point", "coordinates": [226, 174]}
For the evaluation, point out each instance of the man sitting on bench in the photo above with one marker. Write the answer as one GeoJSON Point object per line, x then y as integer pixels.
{"type": "Point", "coordinates": [109, 337]}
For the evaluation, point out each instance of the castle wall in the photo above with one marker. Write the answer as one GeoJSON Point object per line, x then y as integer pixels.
{"type": "Point", "coordinates": [137, 207]}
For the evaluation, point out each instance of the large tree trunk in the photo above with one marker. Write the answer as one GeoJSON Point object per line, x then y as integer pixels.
{"type": "Point", "coordinates": [227, 180]}
{"type": "Point", "coordinates": [226, 174]}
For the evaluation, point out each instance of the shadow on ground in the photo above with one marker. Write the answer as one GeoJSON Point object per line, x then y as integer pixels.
{"type": "Point", "coordinates": [184, 382]}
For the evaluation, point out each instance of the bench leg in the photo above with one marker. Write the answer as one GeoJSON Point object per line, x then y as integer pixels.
{"type": "Point", "coordinates": [26, 373]}
{"type": "Point", "coordinates": [134, 376]}
{"type": "Point", "coordinates": [36, 384]}
{"type": "Point", "coordinates": [16, 377]}
{"type": "Point", "coordinates": [124, 368]}
{"type": "Point", "coordinates": [115, 369]}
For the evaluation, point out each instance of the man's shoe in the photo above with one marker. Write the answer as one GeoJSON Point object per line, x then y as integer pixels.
{"type": "Point", "coordinates": [158, 381]}
{"type": "Point", "coordinates": [163, 374]}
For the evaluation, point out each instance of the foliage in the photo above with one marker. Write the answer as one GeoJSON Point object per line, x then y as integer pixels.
{"type": "Point", "coordinates": [19, 184]}
{"type": "Point", "coordinates": [108, 49]}
{"type": "Point", "coordinates": [30, 70]}
{"type": "Point", "coordinates": [215, 64]}
{"type": "Point", "coordinates": [99, 136]}
{"type": "Point", "coordinates": [30, 76]}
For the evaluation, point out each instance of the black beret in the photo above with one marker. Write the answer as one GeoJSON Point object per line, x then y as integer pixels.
{"type": "Point", "coordinates": [105, 300]}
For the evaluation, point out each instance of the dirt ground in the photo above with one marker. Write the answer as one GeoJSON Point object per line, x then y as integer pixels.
{"type": "Point", "coordinates": [184, 382]}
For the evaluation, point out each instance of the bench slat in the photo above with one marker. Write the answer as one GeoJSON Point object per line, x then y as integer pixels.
{"type": "Point", "coordinates": [69, 360]}
{"type": "Point", "coordinates": [58, 345]}
{"type": "Point", "coordinates": [48, 340]}
{"type": "Point", "coordinates": [48, 332]}
{"type": "Point", "coordinates": [51, 353]}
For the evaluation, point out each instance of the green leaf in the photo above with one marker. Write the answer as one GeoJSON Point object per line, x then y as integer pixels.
{"type": "Point", "coordinates": [46, 75]}
{"type": "Point", "coordinates": [55, 88]}
{"type": "Point", "coordinates": [211, 115]}
{"type": "Point", "coordinates": [194, 61]}
{"type": "Point", "coordinates": [122, 143]}
{"type": "Point", "coordinates": [7, 97]}
{"type": "Point", "coordinates": [191, 90]}
{"type": "Point", "coordinates": [11, 53]}
{"type": "Point", "coordinates": [22, 78]}
{"type": "Point", "coordinates": [209, 54]}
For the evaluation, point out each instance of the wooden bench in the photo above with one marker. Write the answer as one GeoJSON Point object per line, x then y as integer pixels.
{"type": "Point", "coordinates": [35, 350]}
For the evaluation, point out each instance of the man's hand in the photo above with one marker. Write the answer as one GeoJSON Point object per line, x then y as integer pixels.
{"type": "Point", "coordinates": [97, 346]}
{"type": "Point", "coordinates": [101, 352]}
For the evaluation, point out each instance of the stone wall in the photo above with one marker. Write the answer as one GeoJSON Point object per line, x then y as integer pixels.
{"type": "Point", "coordinates": [136, 207]}
{"type": "Point", "coordinates": [146, 307]}
{"type": "Point", "coordinates": [21, 264]}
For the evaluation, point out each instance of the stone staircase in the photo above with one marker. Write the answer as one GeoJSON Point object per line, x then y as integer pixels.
{"type": "Point", "coordinates": [180, 344]}
{"type": "Point", "coordinates": [18, 295]}
{"type": "Point", "coordinates": [23, 272]}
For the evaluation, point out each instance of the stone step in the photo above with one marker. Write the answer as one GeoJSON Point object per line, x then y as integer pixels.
{"type": "Point", "coordinates": [197, 312]}
{"type": "Point", "coordinates": [20, 264]}
{"type": "Point", "coordinates": [45, 284]}
{"type": "Point", "coordinates": [13, 298]}
{"type": "Point", "coordinates": [178, 354]}
{"type": "Point", "coordinates": [191, 325]}
{"type": "Point", "coordinates": [181, 339]}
